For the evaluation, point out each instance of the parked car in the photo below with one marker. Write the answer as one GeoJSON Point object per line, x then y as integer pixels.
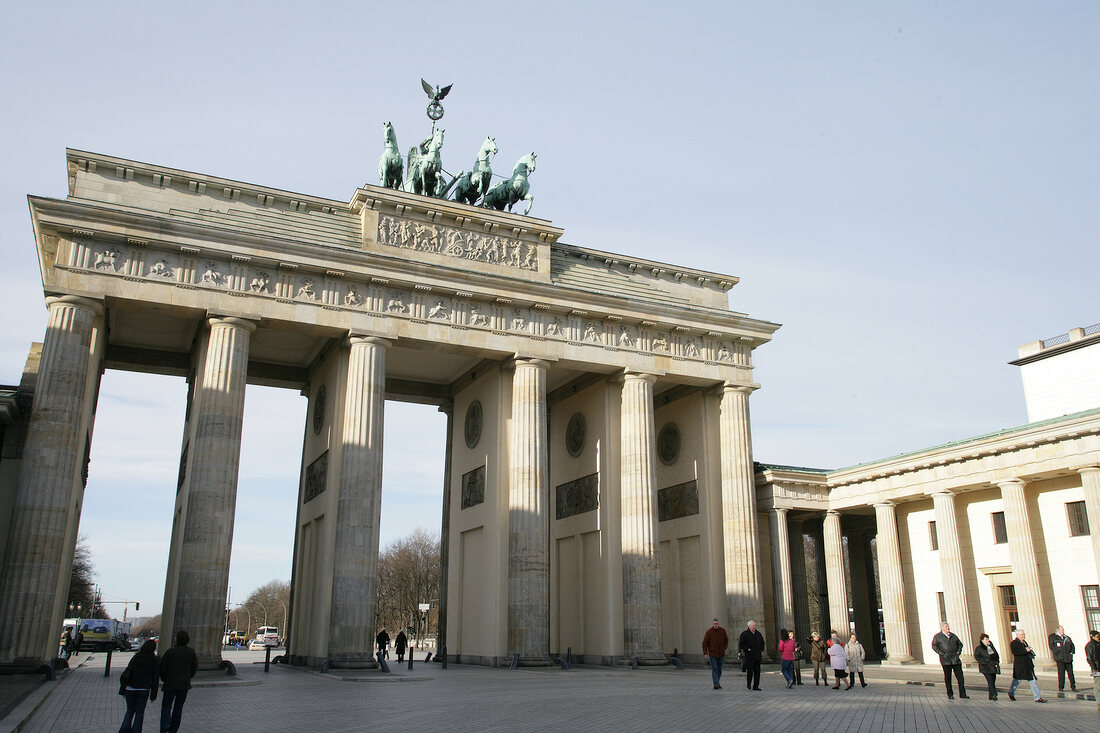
{"type": "Point", "coordinates": [256, 645]}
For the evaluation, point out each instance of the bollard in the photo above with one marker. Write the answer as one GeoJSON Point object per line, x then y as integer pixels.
{"type": "Point", "coordinates": [382, 662]}
{"type": "Point", "coordinates": [569, 654]}
{"type": "Point", "coordinates": [48, 671]}
{"type": "Point", "coordinates": [677, 661]}
{"type": "Point", "coordinates": [443, 652]}
{"type": "Point", "coordinates": [428, 657]}
{"type": "Point", "coordinates": [324, 666]}
{"type": "Point", "coordinates": [515, 661]}
{"type": "Point", "coordinates": [410, 658]}
{"type": "Point", "coordinates": [564, 664]}
{"type": "Point", "coordinates": [230, 668]}
{"type": "Point", "coordinates": [107, 668]}
{"type": "Point", "coordinates": [634, 663]}
{"type": "Point", "coordinates": [267, 659]}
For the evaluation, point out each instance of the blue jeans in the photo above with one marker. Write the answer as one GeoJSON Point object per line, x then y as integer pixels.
{"type": "Point", "coordinates": [716, 669]}
{"type": "Point", "coordinates": [787, 667]}
{"type": "Point", "coordinates": [1034, 684]}
{"type": "Point", "coordinates": [135, 711]}
{"type": "Point", "coordinates": [170, 714]}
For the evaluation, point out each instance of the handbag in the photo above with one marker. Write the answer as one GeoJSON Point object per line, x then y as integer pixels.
{"type": "Point", "coordinates": [123, 680]}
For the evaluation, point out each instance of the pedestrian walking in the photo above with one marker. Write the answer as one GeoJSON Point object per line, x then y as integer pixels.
{"type": "Point", "coordinates": [856, 655]}
{"type": "Point", "coordinates": [1023, 666]}
{"type": "Point", "coordinates": [787, 646]}
{"type": "Point", "coordinates": [139, 683]}
{"type": "Point", "coordinates": [750, 647]}
{"type": "Point", "coordinates": [177, 667]}
{"type": "Point", "coordinates": [400, 644]}
{"type": "Point", "coordinates": [949, 647]}
{"type": "Point", "coordinates": [989, 663]}
{"type": "Point", "coordinates": [1062, 649]}
{"type": "Point", "coordinates": [838, 660]}
{"type": "Point", "coordinates": [819, 657]}
{"type": "Point", "coordinates": [797, 658]}
{"type": "Point", "coordinates": [383, 642]}
{"type": "Point", "coordinates": [66, 645]}
{"type": "Point", "coordinates": [715, 643]}
{"type": "Point", "coordinates": [1092, 656]}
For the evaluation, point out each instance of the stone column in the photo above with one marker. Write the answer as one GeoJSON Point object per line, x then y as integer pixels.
{"type": "Point", "coordinates": [821, 588]}
{"type": "Point", "coordinates": [782, 581]}
{"type": "Point", "coordinates": [218, 415]}
{"type": "Point", "coordinates": [358, 506]}
{"type": "Point", "coordinates": [858, 552]}
{"type": "Point", "coordinates": [1025, 571]}
{"type": "Point", "coordinates": [528, 517]}
{"type": "Point", "coordinates": [798, 580]}
{"type": "Point", "coordinates": [894, 615]}
{"type": "Point", "coordinates": [951, 572]}
{"type": "Point", "coordinates": [1090, 482]}
{"type": "Point", "coordinates": [445, 529]}
{"type": "Point", "coordinates": [638, 511]}
{"type": "Point", "coordinates": [39, 551]}
{"type": "Point", "coordinates": [836, 576]}
{"type": "Point", "coordinates": [744, 601]}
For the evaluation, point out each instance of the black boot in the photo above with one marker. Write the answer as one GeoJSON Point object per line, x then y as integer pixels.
{"type": "Point", "coordinates": [862, 681]}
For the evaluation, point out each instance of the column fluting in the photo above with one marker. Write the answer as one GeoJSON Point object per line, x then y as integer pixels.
{"type": "Point", "coordinates": [1090, 482]}
{"type": "Point", "coordinates": [1025, 568]}
{"type": "Point", "coordinates": [836, 576]}
{"type": "Point", "coordinates": [951, 572]}
{"type": "Point", "coordinates": [894, 615]}
{"type": "Point", "coordinates": [782, 581]}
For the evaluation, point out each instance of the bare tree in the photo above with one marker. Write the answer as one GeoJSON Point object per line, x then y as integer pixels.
{"type": "Point", "coordinates": [82, 600]}
{"type": "Point", "coordinates": [147, 629]}
{"type": "Point", "coordinates": [268, 605]}
{"type": "Point", "coordinates": [408, 575]}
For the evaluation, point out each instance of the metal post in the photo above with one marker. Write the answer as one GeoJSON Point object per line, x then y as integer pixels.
{"type": "Point", "coordinates": [267, 658]}
{"type": "Point", "coordinates": [107, 669]}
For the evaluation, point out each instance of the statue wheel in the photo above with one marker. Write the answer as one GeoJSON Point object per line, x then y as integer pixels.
{"type": "Point", "coordinates": [435, 111]}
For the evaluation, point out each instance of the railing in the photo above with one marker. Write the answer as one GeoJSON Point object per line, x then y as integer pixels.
{"type": "Point", "coordinates": [1064, 338]}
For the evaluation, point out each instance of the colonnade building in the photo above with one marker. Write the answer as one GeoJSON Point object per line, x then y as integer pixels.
{"type": "Point", "coordinates": [599, 490]}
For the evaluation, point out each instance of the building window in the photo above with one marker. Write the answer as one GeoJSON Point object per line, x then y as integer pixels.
{"type": "Point", "coordinates": [1078, 519]}
{"type": "Point", "coordinates": [1090, 594]}
{"type": "Point", "coordinates": [1000, 532]}
{"type": "Point", "coordinates": [933, 538]}
{"type": "Point", "coordinates": [943, 605]}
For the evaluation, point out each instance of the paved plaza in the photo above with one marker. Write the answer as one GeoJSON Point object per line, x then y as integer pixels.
{"type": "Point", "coordinates": [466, 698]}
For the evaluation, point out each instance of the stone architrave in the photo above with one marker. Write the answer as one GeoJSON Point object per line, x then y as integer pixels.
{"type": "Point", "coordinates": [641, 576]}
{"type": "Point", "coordinates": [358, 506]}
{"type": "Point", "coordinates": [837, 576]}
{"type": "Point", "coordinates": [744, 601]}
{"type": "Point", "coordinates": [782, 581]}
{"type": "Point", "coordinates": [528, 520]}
{"type": "Point", "coordinates": [951, 572]}
{"type": "Point", "coordinates": [1090, 482]}
{"type": "Point", "coordinates": [894, 615]}
{"type": "Point", "coordinates": [1025, 569]}
{"type": "Point", "coordinates": [40, 543]}
{"type": "Point", "coordinates": [215, 454]}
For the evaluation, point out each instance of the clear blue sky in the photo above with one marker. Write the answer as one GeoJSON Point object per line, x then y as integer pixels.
{"type": "Point", "coordinates": [910, 188]}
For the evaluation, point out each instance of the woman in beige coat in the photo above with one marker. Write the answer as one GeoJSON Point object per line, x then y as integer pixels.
{"type": "Point", "coordinates": [856, 655]}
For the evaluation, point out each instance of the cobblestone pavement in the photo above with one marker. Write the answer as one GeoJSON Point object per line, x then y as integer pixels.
{"type": "Point", "coordinates": [478, 699]}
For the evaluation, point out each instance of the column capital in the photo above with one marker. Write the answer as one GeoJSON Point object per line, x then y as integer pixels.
{"type": "Point", "coordinates": [628, 375]}
{"type": "Point", "coordinates": [1089, 470]}
{"type": "Point", "coordinates": [367, 338]}
{"type": "Point", "coordinates": [95, 306]}
{"type": "Point", "coordinates": [534, 361]}
{"type": "Point", "coordinates": [885, 504]}
{"type": "Point", "coordinates": [942, 492]}
{"type": "Point", "coordinates": [1013, 482]}
{"type": "Point", "coordinates": [832, 513]}
{"type": "Point", "coordinates": [745, 389]}
{"type": "Point", "coordinates": [781, 510]}
{"type": "Point", "coordinates": [242, 323]}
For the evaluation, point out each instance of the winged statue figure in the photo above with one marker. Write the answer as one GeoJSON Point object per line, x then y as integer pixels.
{"type": "Point", "coordinates": [437, 94]}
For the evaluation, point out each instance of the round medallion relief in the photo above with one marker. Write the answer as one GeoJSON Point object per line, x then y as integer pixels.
{"type": "Point", "coordinates": [668, 444]}
{"type": "Point", "coordinates": [473, 424]}
{"type": "Point", "coordinates": [574, 435]}
{"type": "Point", "coordinates": [319, 410]}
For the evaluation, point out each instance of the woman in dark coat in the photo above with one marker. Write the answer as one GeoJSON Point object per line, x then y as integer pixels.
{"type": "Point", "coordinates": [989, 663]}
{"type": "Point", "coordinates": [139, 683]}
{"type": "Point", "coordinates": [400, 644]}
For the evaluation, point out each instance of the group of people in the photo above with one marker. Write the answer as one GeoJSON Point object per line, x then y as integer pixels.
{"type": "Point", "coordinates": [949, 648]}
{"type": "Point", "coordinates": [70, 644]}
{"type": "Point", "coordinates": [400, 644]}
{"type": "Point", "coordinates": [846, 660]}
{"type": "Point", "coordinates": [145, 675]}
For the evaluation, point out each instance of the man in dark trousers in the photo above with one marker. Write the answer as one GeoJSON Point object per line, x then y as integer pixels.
{"type": "Point", "coordinates": [949, 647]}
{"type": "Point", "coordinates": [383, 642]}
{"type": "Point", "coordinates": [1062, 649]}
{"type": "Point", "coordinates": [399, 645]}
{"type": "Point", "coordinates": [750, 647]}
{"type": "Point", "coordinates": [715, 643]}
{"type": "Point", "coordinates": [1092, 656]}
{"type": "Point", "coordinates": [177, 667]}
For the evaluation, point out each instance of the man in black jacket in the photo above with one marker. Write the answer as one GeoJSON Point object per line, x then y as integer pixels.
{"type": "Point", "coordinates": [1092, 656]}
{"type": "Point", "coordinates": [1062, 649]}
{"type": "Point", "coordinates": [949, 647]}
{"type": "Point", "coordinates": [750, 647]}
{"type": "Point", "coordinates": [177, 667]}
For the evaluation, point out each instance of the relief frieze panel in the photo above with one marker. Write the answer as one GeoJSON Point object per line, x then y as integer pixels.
{"type": "Point", "coordinates": [578, 496]}
{"type": "Point", "coordinates": [492, 249]}
{"type": "Point", "coordinates": [473, 487]}
{"type": "Point", "coordinates": [681, 500]}
{"type": "Point", "coordinates": [316, 478]}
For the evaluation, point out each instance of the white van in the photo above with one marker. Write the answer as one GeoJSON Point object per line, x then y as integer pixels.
{"type": "Point", "coordinates": [269, 635]}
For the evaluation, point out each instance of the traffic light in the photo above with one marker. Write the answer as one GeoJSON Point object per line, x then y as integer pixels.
{"type": "Point", "coordinates": [137, 606]}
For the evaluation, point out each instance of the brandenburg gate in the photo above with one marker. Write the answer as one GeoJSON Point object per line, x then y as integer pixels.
{"type": "Point", "coordinates": [598, 491]}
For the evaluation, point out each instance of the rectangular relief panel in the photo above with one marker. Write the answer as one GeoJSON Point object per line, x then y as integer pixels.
{"type": "Point", "coordinates": [473, 487]}
{"type": "Point", "coordinates": [578, 496]}
{"type": "Point", "coordinates": [681, 500]}
{"type": "Point", "coordinates": [316, 477]}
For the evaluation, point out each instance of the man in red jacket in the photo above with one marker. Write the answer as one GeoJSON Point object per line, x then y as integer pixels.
{"type": "Point", "coordinates": [715, 642]}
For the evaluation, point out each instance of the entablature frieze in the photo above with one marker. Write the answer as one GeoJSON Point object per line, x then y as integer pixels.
{"type": "Point", "coordinates": [265, 287]}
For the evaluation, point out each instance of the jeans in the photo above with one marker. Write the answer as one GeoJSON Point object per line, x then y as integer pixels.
{"type": "Point", "coordinates": [1065, 668]}
{"type": "Point", "coordinates": [715, 669]}
{"type": "Point", "coordinates": [170, 714]}
{"type": "Point", "coordinates": [787, 667]}
{"type": "Point", "coordinates": [957, 669]}
{"type": "Point", "coordinates": [1034, 684]}
{"type": "Point", "coordinates": [135, 711]}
